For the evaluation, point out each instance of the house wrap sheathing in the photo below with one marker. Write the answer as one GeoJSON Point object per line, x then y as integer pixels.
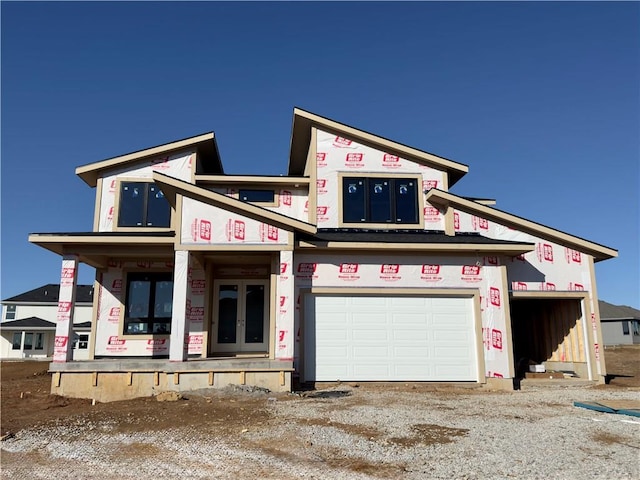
{"type": "Point", "coordinates": [359, 265]}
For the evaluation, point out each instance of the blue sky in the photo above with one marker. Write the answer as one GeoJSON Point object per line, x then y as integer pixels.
{"type": "Point", "coordinates": [541, 100]}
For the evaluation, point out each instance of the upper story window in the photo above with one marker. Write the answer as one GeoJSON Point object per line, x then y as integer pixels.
{"type": "Point", "coordinates": [257, 196]}
{"type": "Point", "coordinates": [142, 204]}
{"type": "Point", "coordinates": [10, 313]}
{"type": "Point", "coordinates": [149, 303]}
{"type": "Point", "coordinates": [380, 200]}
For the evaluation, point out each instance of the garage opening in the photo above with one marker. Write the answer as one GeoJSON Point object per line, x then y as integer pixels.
{"type": "Point", "coordinates": [389, 338]}
{"type": "Point", "coordinates": [549, 332]}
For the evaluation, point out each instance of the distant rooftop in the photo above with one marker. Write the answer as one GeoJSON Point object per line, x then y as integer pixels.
{"type": "Point", "coordinates": [49, 294]}
{"type": "Point", "coordinates": [609, 311]}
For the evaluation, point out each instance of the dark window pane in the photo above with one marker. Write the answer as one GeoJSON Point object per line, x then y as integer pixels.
{"type": "Point", "coordinates": [163, 299]}
{"type": "Point", "coordinates": [379, 200]}
{"type": "Point", "coordinates": [266, 196]}
{"type": "Point", "coordinates": [39, 341]}
{"type": "Point", "coordinates": [134, 327]}
{"type": "Point", "coordinates": [353, 200]}
{"type": "Point", "coordinates": [83, 342]}
{"type": "Point", "coordinates": [28, 341]}
{"type": "Point", "coordinates": [227, 313]}
{"type": "Point", "coordinates": [138, 299]}
{"type": "Point", "coordinates": [625, 328]}
{"type": "Point", "coordinates": [11, 312]}
{"type": "Point", "coordinates": [406, 201]}
{"type": "Point", "coordinates": [254, 322]}
{"type": "Point", "coordinates": [158, 209]}
{"type": "Point", "coordinates": [132, 200]}
{"type": "Point", "coordinates": [17, 341]}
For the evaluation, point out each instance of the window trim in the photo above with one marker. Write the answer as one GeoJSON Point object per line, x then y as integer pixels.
{"type": "Point", "coordinates": [13, 311]}
{"type": "Point", "coordinates": [116, 209]}
{"type": "Point", "coordinates": [122, 334]}
{"type": "Point", "coordinates": [386, 226]}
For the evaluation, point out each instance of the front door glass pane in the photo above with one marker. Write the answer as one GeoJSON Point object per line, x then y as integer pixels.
{"type": "Point", "coordinates": [227, 313]}
{"type": "Point", "coordinates": [17, 341]}
{"type": "Point", "coordinates": [254, 321]}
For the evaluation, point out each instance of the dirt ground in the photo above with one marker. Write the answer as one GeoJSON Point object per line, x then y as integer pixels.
{"type": "Point", "coordinates": [26, 401]}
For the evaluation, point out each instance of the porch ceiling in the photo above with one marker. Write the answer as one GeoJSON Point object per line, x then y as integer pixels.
{"type": "Point", "coordinates": [96, 248]}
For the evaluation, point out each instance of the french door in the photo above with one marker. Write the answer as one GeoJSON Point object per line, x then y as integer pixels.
{"type": "Point", "coordinates": [241, 316]}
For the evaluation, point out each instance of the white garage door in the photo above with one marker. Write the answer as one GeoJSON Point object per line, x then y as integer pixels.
{"type": "Point", "coordinates": [391, 338]}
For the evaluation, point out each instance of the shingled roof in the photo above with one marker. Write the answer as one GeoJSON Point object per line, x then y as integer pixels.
{"type": "Point", "coordinates": [49, 294]}
{"type": "Point", "coordinates": [33, 323]}
{"type": "Point", "coordinates": [609, 311]}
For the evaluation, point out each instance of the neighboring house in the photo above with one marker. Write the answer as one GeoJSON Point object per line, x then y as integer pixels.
{"type": "Point", "coordinates": [29, 323]}
{"type": "Point", "coordinates": [620, 324]}
{"type": "Point", "coordinates": [358, 265]}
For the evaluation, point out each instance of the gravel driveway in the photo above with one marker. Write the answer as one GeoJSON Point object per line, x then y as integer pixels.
{"type": "Point", "coordinates": [350, 432]}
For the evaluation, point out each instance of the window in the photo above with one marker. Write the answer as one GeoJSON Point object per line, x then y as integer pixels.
{"type": "Point", "coordinates": [17, 341]}
{"type": "Point", "coordinates": [39, 341]}
{"type": "Point", "coordinates": [148, 304]}
{"type": "Point", "coordinates": [625, 328]}
{"type": "Point", "coordinates": [28, 341]}
{"type": "Point", "coordinates": [258, 196]}
{"type": "Point", "coordinates": [142, 204]}
{"type": "Point", "coordinates": [380, 200]}
{"type": "Point", "coordinates": [81, 342]}
{"type": "Point", "coordinates": [10, 314]}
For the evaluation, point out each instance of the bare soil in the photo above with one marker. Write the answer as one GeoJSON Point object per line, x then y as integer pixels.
{"type": "Point", "coordinates": [26, 402]}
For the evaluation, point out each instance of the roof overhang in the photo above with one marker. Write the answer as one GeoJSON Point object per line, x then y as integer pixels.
{"type": "Point", "coordinates": [172, 187]}
{"type": "Point", "coordinates": [443, 199]}
{"type": "Point", "coordinates": [204, 144]}
{"type": "Point", "coordinates": [303, 122]}
{"type": "Point", "coordinates": [96, 249]}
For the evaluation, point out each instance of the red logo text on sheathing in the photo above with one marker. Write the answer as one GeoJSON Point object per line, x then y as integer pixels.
{"type": "Point", "coordinates": [545, 252]}
{"type": "Point", "coordinates": [67, 275]}
{"type": "Point", "coordinates": [430, 269]}
{"type": "Point", "coordinates": [349, 268]}
{"type": "Point", "coordinates": [307, 268]}
{"type": "Point", "coordinates": [519, 257]}
{"type": "Point", "coordinates": [494, 296]}
{"type": "Point", "coordinates": [548, 286]}
{"type": "Point", "coordinates": [268, 232]}
{"type": "Point", "coordinates": [281, 335]}
{"type": "Point", "coordinates": [114, 340]}
{"type": "Point", "coordinates": [389, 269]}
{"type": "Point", "coordinates": [196, 314]}
{"type": "Point", "coordinates": [194, 340]}
{"type": "Point", "coordinates": [496, 339]}
{"type": "Point", "coordinates": [201, 230]}
{"type": "Point", "coordinates": [456, 221]}
{"type": "Point", "coordinates": [572, 256]}
{"type": "Point", "coordinates": [64, 307]}
{"type": "Point", "coordinates": [429, 184]}
{"type": "Point", "coordinates": [114, 312]}
{"type": "Point", "coordinates": [112, 185]}
{"type": "Point", "coordinates": [470, 270]}
{"type": "Point", "coordinates": [491, 260]}
{"type": "Point", "coordinates": [283, 300]}
{"type": "Point", "coordinates": [596, 349]}
{"type": "Point", "coordinates": [160, 163]}
{"type": "Point", "coordinates": [342, 142]}
{"type": "Point", "coordinates": [480, 223]}
{"type": "Point", "coordinates": [110, 214]}
{"type": "Point", "coordinates": [391, 161]}
{"type": "Point", "coordinates": [238, 229]}
{"type": "Point", "coordinates": [156, 342]}
{"type": "Point", "coordinates": [519, 286]}
{"type": "Point", "coordinates": [576, 287]}
{"type": "Point", "coordinates": [321, 159]}
{"type": "Point", "coordinates": [321, 185]}
{"type": "Point", "coordinates": [321, 213]}
{"type": "Point", "coordinates": [283, 267]}
{"type": "Point", "coordinates": [285, 198]}
{"type": "Point", "coordinates": [197, 287]}
{"type": "Point", "coordinates": [116, 285]}
{"type": "Point", "coordinates": [431, 214]}
{"type": "Point", "coordinates": [354, 160]}
{"type": "Point", "coordinates": [60, 341]}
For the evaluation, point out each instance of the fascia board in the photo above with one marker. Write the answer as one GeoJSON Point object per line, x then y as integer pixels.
{"type": "Point", "coordinates": [302, 116]}
{"type": "Point", "coordinates": [443, 199]}
{"type": "Point", "coordinates": [514, 249]}
{"type": "Point", "coordinates": [89, 173]}
{"type": "Point", "coordinates": [172, 186]}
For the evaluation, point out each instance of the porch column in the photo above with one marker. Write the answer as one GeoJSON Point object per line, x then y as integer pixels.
{"type": "Point", "coordinates": [285, 325]}
{"type": "Point", "coordinates": [62, 350]}
{"type": "Point", "coordinates": [178, 339]}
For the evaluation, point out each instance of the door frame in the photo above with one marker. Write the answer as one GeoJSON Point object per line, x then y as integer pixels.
{"type": "Point", "coordinates": [240, 347]}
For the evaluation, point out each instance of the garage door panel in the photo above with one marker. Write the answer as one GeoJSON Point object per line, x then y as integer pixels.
{"type": "Point", "coordinates": [394, 338]}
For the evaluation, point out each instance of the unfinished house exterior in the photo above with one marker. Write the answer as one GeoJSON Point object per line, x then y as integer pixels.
{"type": "Point", "coordinates": [359, 265]}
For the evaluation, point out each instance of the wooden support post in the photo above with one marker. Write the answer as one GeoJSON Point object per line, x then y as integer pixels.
{"type": "Point", "coordinates": [281, 379]}
{"type": "Point", "coordinates": [56, 379]}
{"type": "Point", "coordinates": [156, 378]}
{"type": "Point", "coordinates": [176, 378]}
{"type": "Point", "coordinates": [210, 378]}
{"type": "Point", "coordinates": [94, 378]}
{"type": "Point", "coordinates": [129, 378]}
{"type": "Point", "coordinates": [243, 378]}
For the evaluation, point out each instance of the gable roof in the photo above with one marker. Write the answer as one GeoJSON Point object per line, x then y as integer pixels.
{"type": "Point", "coordinates": [609, 311]}
{"type": "Point", "coordinates": [303, 121]}
{"type": "Point", "coordinates": [208, 157]}
{"type": "Point", "coordinates": [172, 186]}
{"type": "Point", "coordinates": [443, 199]}
{"type": "Point", "coordinates": [34, 323]}
{"type": "Point", "coordinates": [49, 294]}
